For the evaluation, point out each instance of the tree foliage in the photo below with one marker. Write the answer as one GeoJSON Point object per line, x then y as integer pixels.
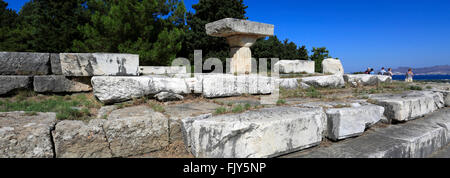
{"type": "Point", "coordinates": [151, 28]}
{"type": "Point", "coordinates": [207, 11]}
{"type": "Point", "coordinates": [272, 47]}
{"type": "Point", "coordinates": [319, 54]}
{"type": "Point", "coordinates": [157, 30]}
{"type": "Point", "coordinates": [46, 26]}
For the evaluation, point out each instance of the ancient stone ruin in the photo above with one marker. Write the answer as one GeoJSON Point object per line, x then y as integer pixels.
{"type": "Point", "coordinates": [219, 115]}
{"type": "Point", "coordinates": [241, 35]}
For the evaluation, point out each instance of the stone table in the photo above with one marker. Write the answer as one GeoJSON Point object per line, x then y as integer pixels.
{"type": "Point", "coordinates": [241, 35]}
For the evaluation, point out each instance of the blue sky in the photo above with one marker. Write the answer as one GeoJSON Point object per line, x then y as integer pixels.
{"type": "Point", "coordinates": [362, 33]}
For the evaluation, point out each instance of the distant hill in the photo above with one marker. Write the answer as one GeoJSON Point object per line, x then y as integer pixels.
{"type": "Point", "coordinates": [435, 70]}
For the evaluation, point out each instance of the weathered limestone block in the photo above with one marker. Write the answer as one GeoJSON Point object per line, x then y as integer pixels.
{"type": "Point", "coordinates": [415, 139]}
{"type": "Point", "coordinates": [291, 83]}
{"type": "Point", "coordinates": [331, 81]}
{"type": "Point", "coordinates": [75, 139]}
{"type": "Point", "coordinates": [295, 66]}
{"type": "Point", "coordinates": [366, 79]}
{"type": "Point", "coordinates": [232, 27]}
{"type": "Point", "coordinates": [195, 84]}
{"type": "Point", "coordinates": [99, 64]}
{"type": "Point", "coordinates": [224, 85]}
{"type": "Point", "coordinates": [116, 89]}
{"type": "Point", "coordinates": [446, 95]}
{"type": "Point", "coordinates": [349, 122]}
{"type": "Point", "coordinates": [18, 63]}
{"type": "Point", "coordinates": [241, 35]}
{"type": "Point", "coordinates": [422, 139]}
{"type": "Point", "coordinates": [136, 130]}
{"type": "Point", "coordinates": [55, 63]}
{"type": "Point", "coordinates": [256, 134]}
{"type": "Point", "coordinates": [162, 70]}
{"type": "Point", "coordinates": [172, 85]}
{"type": "Point", "coordinates": [104, 111]}
{"type": "Point", "coordinates": [61, 84]}
{"type": "Point", "coordinates": [166, 96]}
{"type": "Point", "coordinates": [186, 128]}
{"type": "Point", "coordinates": [25, 135]}
{"type": "Point", "coordinates": [11, 82]}
{"type": "Point", "coordinates": [332, 66]}
{"type": "Point", "coordinates": [408, 106]}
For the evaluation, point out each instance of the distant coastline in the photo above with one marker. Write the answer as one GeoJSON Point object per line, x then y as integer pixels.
{"type": "Point", "coordinates": [438, 78]}
{"type": "Point", "coordinates": [435, 70]}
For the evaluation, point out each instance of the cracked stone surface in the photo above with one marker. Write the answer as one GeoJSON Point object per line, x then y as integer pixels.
{"type": "Point", "coordinates": [349, 122]}
{"type": "Point", "coordinates": [366, 79]}
{"type": "Point", "coordinates": [332, 66]}
{"type": "Point", "coordinates": [136, 130]}
{"type": "Point", "coordinates": [75, 139]}
{"type": "Point", "coordinates": [295, 66]}
{"type": "Point", "coordinates": [408, 106]}
{"type": "Point", "coordinates": [254, 134]}
{"type": "Point", "coordinates": [61, 84]}
{"type": "Point", "coordinates": [20, 63]}
{"type": "Point", "coordinates": [98, 64]}
{"type": "Point", "coordinates": [328, 81]}
{"type": "Point", "coordinates": [25, 135]}
{"type": "Point", "coordinates": [414, 139]}
{"type": "Point", "coordinates": [12, 82]}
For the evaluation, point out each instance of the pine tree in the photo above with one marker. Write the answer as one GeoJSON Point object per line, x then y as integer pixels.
{"type": "Point", "coordinates": [151, 28]}
{"type": "Point", "coordinates": [319, 54]}
{"type": "Point", "coordinates": [47, 26]}
{"type": "Point", "coordinates": [207, 11]}
{"type": "Point", "coordinates": [8, 21]}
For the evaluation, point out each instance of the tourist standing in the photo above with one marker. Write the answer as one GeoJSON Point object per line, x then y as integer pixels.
{"type": "Point", "coordinates": [382, 71]}
{"type": "Point", "coordinates": [409, 76]}
{"type": "Point", "coordinates": [389, 72]}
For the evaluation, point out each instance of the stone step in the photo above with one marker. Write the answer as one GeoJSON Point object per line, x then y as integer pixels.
{"type": "Point", "coordinates": [415, 139]}
{"type": "Point", "coordinates": [261, 133]}
{"type": "Point", "coordinates": [408, 106]}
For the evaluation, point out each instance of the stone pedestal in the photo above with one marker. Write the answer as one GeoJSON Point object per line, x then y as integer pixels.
{"type": "Point", "coordinates": [241, 35]}
{"type": "Point", "coordinates": [241, 54]}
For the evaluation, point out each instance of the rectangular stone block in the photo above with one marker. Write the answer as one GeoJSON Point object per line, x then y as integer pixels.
{"type": "Point", "coordinates": [162, 70]}
{"type": "Point", "coordinates": [9, 83]}
{"type": "Point", "coordinates": [349, 122]}
{"type": "Point", "coordinates": [295, 66]}
{"type": "Point", "coordinates": [230, 27]}
{"type": "Point", "coordinates": [21, 63]}
{"type": "Point", "coordinates": [366, 79]}
{"type": "Point", "coordinates": [26, 136]}
{"type": "Point", "coordinates": [226, 85]}
{"type": "Point", "coordinates": [55, 63]}
{"type": "Point", "coordinates": [255, 134]}
{"type": "Point", "coordinates": [415, 139]}
{"type": "Point", "coordinates": [99, 64]}
{"type": "Point", "coordinates": [76, 139]}
{"type": "Point", "coordinates": [61, 84]}
{"type": "Point", "coordinates": [328, 81]}
{"type": "Point", "coordinates": [408, 106]}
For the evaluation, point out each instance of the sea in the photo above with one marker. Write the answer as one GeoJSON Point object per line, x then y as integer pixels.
{"type": "Point", "coordinates": [437, 78]}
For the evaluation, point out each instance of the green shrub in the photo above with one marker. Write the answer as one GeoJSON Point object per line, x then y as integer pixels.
{"type": "Point", "coordinates": [237, 109]}
{"type": "Point", "coordinates": [220, 110]}
{"type": "Point", "coordinates": [413, 87]}
{"type": "Point", "coordinates": [281, 102]}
